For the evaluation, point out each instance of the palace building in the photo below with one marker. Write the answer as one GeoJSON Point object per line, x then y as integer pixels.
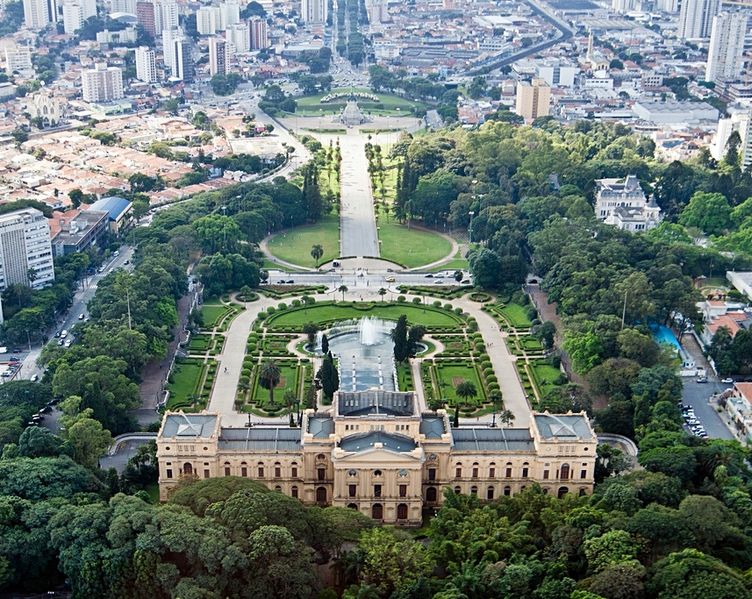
{"type": "Point", "coordinates": [377, 453]}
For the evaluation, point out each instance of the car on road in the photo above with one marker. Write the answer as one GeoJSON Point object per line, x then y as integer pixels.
{"type": "Point", "coordinates": [14, 359]}
{"type": "Point", "coordinates": [60, 341]}
{"type": "Point", "coordinates": [389, 279]}
{"type": "Point", "coordinates": [34, 378]}
{"type": "Point", "coordinates": [57, 334]}
{"type": "Point", "coordinates": [68, 342]}
{"type": "Point", "coordinates": [727, 381]}
{"type": "Point", "coordinates": [702, 379]}
{"type": "Point", "coordinates": [81, 316]}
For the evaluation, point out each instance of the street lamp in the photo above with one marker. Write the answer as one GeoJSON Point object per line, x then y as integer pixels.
{"type": "Point", "coordinates": [470, 226]}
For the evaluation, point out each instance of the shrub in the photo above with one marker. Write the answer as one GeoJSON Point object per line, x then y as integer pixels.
{"type": "Point", "coordinates": [447, 306]}
{"type": "Point", "coordinates": [295, 303]}
{"type": "Point", "coordinates": [458, 311]}
{"type": "Point", "coordinates": [401, 298]}
{"type": "Point", "coordinates": [416, 300]}
{"type": "Point", "coordinates": [282, 307]}
{"type": "Point", "coordinates": [263, 314]}
{"type": "Point", "coordinates": [492, 379]}
{"type": "Point", "coordinates": [436, 304]}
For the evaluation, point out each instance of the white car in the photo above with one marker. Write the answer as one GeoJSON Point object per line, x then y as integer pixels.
{"type": "Point", "coordinates": [727, 381]}
{"type": "Point", "coordinates": [63, 334]}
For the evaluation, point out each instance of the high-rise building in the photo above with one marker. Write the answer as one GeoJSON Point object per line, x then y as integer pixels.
{"type": "Point", "coordinates": [229, 14]}
{"type": "Point", "coordinates": [168, 46]}
{"type": "Point", "coordinates": [208, 20]}
{"type": "Point", "coordinates": [623, 6]}
{"type": "Point", "coordinates": [39, 13]}
{"type": "Point", "coordinates": [696, 18]}
{"type": "Point", "coordinates": [126, 6]}
{"type": "Point", "coordinates": [740, 121]}
{"type": "Point", "coordinates": [25, 249]}
{"type": "Point", "coordinates": [533, 99]}
{"type": "Point", "coordinates": [146, 17]}
{"type": "Point", "coordinates": [217, 56]}
{"type": "Point", "coordinates": [102, 83]}
{"type": "Point", "coordinates": [259, 33]}
{"type": "Point", "coordinates": [166, 15]}
{"type": "Point", "coordinates": [75, 12]}
{"type": "Point", "coordinates": [671, 6]}
{"type": "Point", "coordinates": [239, 37]}
{"type": "Point", "coordinates": [726, 47]}
{"type": "Point", "coordinates": [17, 58]}
{"type": "Point", "coordinates": [314, 11]}
{"type": "Point", "coordinates": [146, 65]}
{"type": "Point", "coordinates": [184, 68]}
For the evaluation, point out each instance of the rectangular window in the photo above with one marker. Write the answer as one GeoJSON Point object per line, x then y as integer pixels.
{"type": "Point", "coordinates": [295, 492]}
{"type": "Point", "coordinates": [524, 472]}
{"type": "Point", "coordinates": [509, 473]}
{"type": "Point", "coordinates": [545, 475]}
{"type": "Point", "coordinates": [583, 473]}
{"type": "Point", "coordinates": [403, 490]}
{"type": "Point", "coordinates": [377, 490]}
{"type": "Point", "coordinates": [261, 472]}
{"type": "Point", "coordinates": [432, 474]}
{"type": "Point", "coordinates": [458, 473]}
{"type": "Point", "coordinates": [227, 471]}
{"type": "Point", "coordinates": [475, 473]}
{"type": "Point", "coordinates": [277, 472]}
{"type": "Point", "coordinates": [244, 472]}
{"type": "Point", "coordinates": [352, 490]}
{"type": "Point", "coordinates": [169, 473]}
{"type": "Point", "coordinates": [206, 473]}
{"type": "Point", "coordinates": [491, 472]}
{"type": "Point", "coordinates": [322, 473]}
{"type": "Point", "coordinates": [294, 472]}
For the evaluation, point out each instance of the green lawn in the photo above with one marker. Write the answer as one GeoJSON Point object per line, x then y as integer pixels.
{"type": "Point", "coordinates": [452, 374]}
{"type": "Point", "coordinates": [546, 376]}
{"type": "Point", "coordinates": [390, 104]}
{"type": "Point", "coordinates": [456, 263]}
{"type": "Point", "coordinates": [516, 315]}
{"type": "Point", "coordinates": [186, 377]}
{"type": "Point", "coordinates": [405, 377]}
{"type": "Point", "coordinates": [212, 314]}
{"type": "Point", "coordinates": [288, 382]}
{"type": "Point", "coordinates": [411, 247]}
{"type": "Point", "coordinates": [328, 312]}
{"type": "Point", "coordinates": [294, 245]}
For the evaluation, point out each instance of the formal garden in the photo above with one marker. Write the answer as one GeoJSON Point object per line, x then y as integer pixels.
{"type": "Point", "coordinates": [369, 102]}
{"type": "Point", "coordinates": [190, 383]}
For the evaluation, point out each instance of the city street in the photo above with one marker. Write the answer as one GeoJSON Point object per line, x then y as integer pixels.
{"type": "Point", "coordinates": [697, 395]}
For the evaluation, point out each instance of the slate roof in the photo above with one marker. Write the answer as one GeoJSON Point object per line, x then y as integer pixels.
{"type": "Point", "coordinates": [564, 426]}
{"type": "Point", "coordinates": [492, 439]}
{"type": "Point", "coordinates": [365, 441]}
{"type": "Point", "coordinates": [268, 439]}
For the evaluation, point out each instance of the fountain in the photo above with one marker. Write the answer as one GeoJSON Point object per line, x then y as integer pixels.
{"type": "Point", "coordinates": [365, 353]}
{"type": "Point", "coordinates": [369, 330]}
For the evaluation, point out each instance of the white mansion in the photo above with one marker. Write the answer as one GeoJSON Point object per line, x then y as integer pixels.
{"type": "Point", "coordinates": [622, 203]}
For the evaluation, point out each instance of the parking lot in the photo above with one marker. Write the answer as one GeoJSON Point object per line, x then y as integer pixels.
{"type": "Point", "coordinates": [696, 396]}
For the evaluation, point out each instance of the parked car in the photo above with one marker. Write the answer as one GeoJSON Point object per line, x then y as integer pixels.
{"type": "Point", "coordinates": [63, 334]}
{"type": "Point", "coordinates": [34, 378]}
{"type": "Point", "coordinates": [727, 381]}
{"type": "Point", "coordinates": [702, 379]}
{"type": "Point", "coordinates": [81, 316]}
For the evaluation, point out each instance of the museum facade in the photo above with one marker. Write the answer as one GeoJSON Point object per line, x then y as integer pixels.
{"type": "Point", "coordinates": [377, 453]}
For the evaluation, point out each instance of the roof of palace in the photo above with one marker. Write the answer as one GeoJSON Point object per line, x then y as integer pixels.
{"type": "Point", "coordinates": [564, 426]}
{"type": "Point", "coordinates": [375, 401]}
{"type": "Point", "coordinates": [365, 441]}
{"type": "Point", "coordinates": [320, 426]}
{"type": "Point", "coordinates": [269, 439]}
{"type": "Point", "coordinates": [432, 426]}
{"type": "Point", "coordinates": [492, 439]}
{"type": "Point", "coordinates": [189, 425]}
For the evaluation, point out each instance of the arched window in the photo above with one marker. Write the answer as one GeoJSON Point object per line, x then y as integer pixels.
{"type": "Point", "coordinates": [545, 490]}
{"type": "Point", "coordinates": [187, 468]}
{"type": "Point", "coordinates": [431, 494]}
{"type": "Point", "coordinates": [457, 490]}
{"type": "Point", "coordinates": [492, 470]}
{"type": "Point", "coordinates": [278, 488]}
{"type": "Point", "coordinates": [458, 470]}
{"type": "Point", "coordinates": [525, 470]}
{"type": "Point", "coordinates": [243, 469]}
{"type": "Point", "coordinates": [294, 492]}
{"type": "Point", "coordinates": [402, 511]}
{"type": "Point", "coordinates": [583, 492]}
{"type": "Point", "coordinates": [261, 469]}
{"type": "Point", "coordinates": [321, 458]}
{"type": "Point", "coordinates": [508, 472]}
{"type": "Point", "coordinates": [227, 468]}
{"type": "Point", "coordinates": [277, 470]}
{"type": "Point", "coordinates": [474, 490]}
{"type": "Point", "coordinates": [377, 473]}
{"type": "Point", "coordinates": [294, 470]}
{"type": "Point", "coordinates": [475, 470]}
{"type": "Point", "coordinates": [564, 475]}
{"type": "Point", "coordinates": [377, 511]}
{"type": "Point", "coordinates": [321, 495]}
{"type": "Point", "coordinates": [490, 493]}
{"type": "Point", "coordinates": [563, 491]}
{"type": "Point", "coordinates": [352, 506]}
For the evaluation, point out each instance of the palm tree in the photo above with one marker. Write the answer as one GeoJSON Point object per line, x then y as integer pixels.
{"type": "Point", "coordinates": [465, 391]}
{"type": "Point", "coordinates": [495, 402]}
{"type": "Point", "coordinates": [382, 293]}
{"type": "Point", "coordinates": [342, 289]}
{"type": "Point", "coordinates": [269, 377]}
{"type": "Point", "coordinates": [317, 251]}
{"type": "Point", "coordinates": [506, 417]}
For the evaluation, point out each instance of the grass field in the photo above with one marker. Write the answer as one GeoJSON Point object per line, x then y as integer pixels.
{"type": "Point", "coordinates": [516, 315]}
{"type": "Point", "coordinates": [388, 104]}
{"type": "Point", "coordinates": [322, 313]}
{"type": "Point", "coordinates": [186, 377]}
{"type": "Point", "coordinates": [294, 245]}
{"type": "Point", "coordinates": [411, 247]}
{"type": "Point", "coordinates": [288, 382]}
{"type": "Point", "coordinates": [456, 263]}
{"type": "Point", "coordinates": [452, 374]}
{"type": "Point", "coordinates": [212, 314]}
{"type": "Point", "coordinates": [546, 376]}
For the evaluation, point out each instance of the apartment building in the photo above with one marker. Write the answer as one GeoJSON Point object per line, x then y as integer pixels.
{"type": "Point", "coordinates": [25, 249]}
